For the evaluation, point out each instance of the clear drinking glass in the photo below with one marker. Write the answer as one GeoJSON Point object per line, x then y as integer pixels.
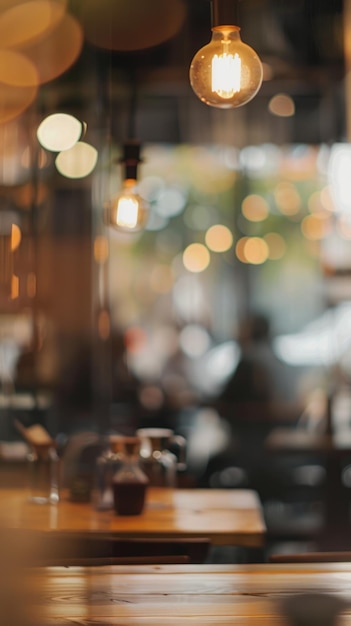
{"type": "Point", "coordinates": [43, 474]}
{"type": "Point", "coordinates": [107, 464]}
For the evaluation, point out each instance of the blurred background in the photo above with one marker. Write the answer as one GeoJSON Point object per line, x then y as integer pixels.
{"type": "Point", "coordinates": [250, 218]}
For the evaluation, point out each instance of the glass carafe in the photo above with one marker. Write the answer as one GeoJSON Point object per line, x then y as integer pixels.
{"type": "Point", "coordinates": [129, 482]}
{"type": "Point", "coordinates": [158, 462]}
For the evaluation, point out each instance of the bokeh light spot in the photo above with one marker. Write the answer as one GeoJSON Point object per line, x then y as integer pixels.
{"type": "Point", "coordinates": [219, 238]}
{"type": "Point", "coordinates": [287, 198]}
{"type": "Point", "coordinates": [282, 105]}
{"type": "Point", "coordinates": [315, 226]}
{"type": "Point", "coordinates": [26, 22]}
{"type": "Point", "coordinates": [135, 339]}
{"type": "Point", "coordinates": [54, 54]}
{"type": "Point", "coordinates": [255, 208]}
{"type": "Point", "coordinates": [256, 250]}
{"type": "Point", "coordinates": [59, 131]}
{"type": "Point", "coordinates": [196, 258]}
{"type": "Point", "coordinates": [240, 249]}
{"type": "Point", "coordinates": [194, 340]}
{"type": "Point", "coordinates": [77, 162]}
{"type": "Point", "coordinates": [101, 249]}
{"type": "Point", "coordinates": [16, 237]}
{"type": "Point", "coordinates": [14, 287]}
{"type": "Point", "coordinates": [17, 70]}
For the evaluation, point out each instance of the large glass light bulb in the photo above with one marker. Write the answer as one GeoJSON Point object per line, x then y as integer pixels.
{"type": "Point", "coordinates": [226, 73]}
{"type": "Point", "coordinates": [128, 211]}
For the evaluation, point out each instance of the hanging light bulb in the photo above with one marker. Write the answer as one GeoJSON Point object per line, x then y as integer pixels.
{"type": "Point", "coordinates": [226, 73]}
{"type": "Point", "coordinates": [128, 211]}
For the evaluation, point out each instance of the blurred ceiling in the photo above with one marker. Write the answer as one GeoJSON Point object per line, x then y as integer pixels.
{"type": "Point", "coordinates": [144, 48]}
{"type": "Point", "coordinates": [300, 42]}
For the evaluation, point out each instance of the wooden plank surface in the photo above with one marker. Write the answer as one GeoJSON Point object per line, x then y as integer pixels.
{"type": "Point", "coordinates": [224, 516]}
{"type": "Point", "coordinates": [207, 594]}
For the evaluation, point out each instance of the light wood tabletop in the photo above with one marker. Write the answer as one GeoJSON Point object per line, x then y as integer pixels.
{"type": "Point", "coordinates": [223, 516]}
{"type": "Point", "coordinates": [182, 594]}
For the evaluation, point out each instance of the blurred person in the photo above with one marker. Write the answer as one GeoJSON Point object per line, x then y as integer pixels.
{"type": "Point", "coordinates": [262, 387]}
{"type": "Point", "coordinates": [79, 394]}
{"type": "Point", "coordinates": [261, 393]}
{"type": "Point", "coordinates": [75, 420]}
{"type": "Point", "coordinates": [87, 412]}
{"type": "Point", "coordinates": [176, 381]}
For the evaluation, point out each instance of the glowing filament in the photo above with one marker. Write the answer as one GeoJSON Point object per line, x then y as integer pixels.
{"type": "Point", "coordinates": [226, 74]}
{"type": "Point", "coordinates": [127, 212]}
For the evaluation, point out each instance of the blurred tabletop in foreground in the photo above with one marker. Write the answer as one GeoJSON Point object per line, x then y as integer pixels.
{"type": "Point", "coordinates": [187, 594]}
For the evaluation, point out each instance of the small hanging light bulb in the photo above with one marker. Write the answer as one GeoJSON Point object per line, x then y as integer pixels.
{"type": "Point", "coordinates": [128, 211]}
{"type": "Point", "coordinates": [226, 73]}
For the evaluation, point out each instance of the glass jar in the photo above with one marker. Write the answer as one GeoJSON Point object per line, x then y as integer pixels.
{"type": "Point", "coordinates": [130, 482]}
{"type": "Point", "coordinates": [158, 462]}
{"type": "Point", "coordinates": [43, 463]}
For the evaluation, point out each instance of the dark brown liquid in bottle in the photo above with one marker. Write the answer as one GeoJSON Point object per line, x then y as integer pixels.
{"type": "Point", "coordinates": [129, 497]}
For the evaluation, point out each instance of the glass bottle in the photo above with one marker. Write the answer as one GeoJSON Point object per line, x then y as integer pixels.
{"type": "Point", "coordinates": [43, 463]}
{"type": "Point", "coordinates": [130, 482]}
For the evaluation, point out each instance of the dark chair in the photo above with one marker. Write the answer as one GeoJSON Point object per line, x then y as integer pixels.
{"type": "Point", "coordinates": [73, 548]}
{"type": "Point", "coordinates": [116, 560]}
{"type": "Point", "coordinates": [312, 557]}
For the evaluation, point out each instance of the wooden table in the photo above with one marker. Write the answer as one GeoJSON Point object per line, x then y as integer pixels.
{"type": "Point", "coordinates": [181, 594]}
{"type": "Point", "coordinates": [332, 449]}
{"type": "Point", "coordinates": [300, 440]}
{"type": "Point", "coordinates": [224, 516]}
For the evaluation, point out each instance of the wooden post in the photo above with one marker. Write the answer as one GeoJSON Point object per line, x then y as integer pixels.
{"type": "Point", "coordinates": [347, 56]}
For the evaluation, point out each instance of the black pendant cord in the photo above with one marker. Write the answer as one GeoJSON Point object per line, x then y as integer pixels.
{"type": "Point", "coordinates": [131, 152]}
{"type": "Point", "coordinates": [225, 12]}
{"type": "Point", "coordinates": [133, 101]}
